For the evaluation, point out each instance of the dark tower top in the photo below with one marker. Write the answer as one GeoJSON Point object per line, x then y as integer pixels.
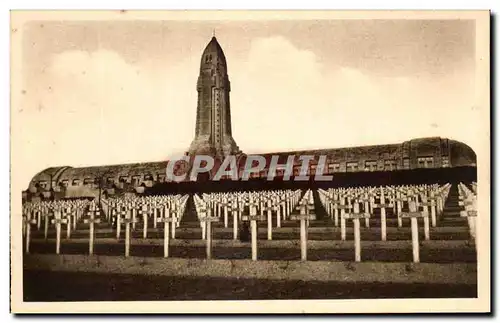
{"type": "Point", "coordinates": [213, 56]}
{"type": "Point", "coordinates": [213, 135]}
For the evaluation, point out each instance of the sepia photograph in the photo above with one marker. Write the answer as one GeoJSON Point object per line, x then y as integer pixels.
{"type": "Point", "coordinates": [286, 161]}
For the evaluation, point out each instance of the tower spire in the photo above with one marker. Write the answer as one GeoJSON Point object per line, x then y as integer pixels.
{"type": "Point", "coordinates": [213, 135]}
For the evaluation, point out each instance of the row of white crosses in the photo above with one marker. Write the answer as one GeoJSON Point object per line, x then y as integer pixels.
{"type": "Point", "coordinates": [359, 203]}
{"type": "Point", "coordinates": [393, 197]}
{"type": "Point", "coordinates": [268, 205]}
{"type": "Point", "coordinates": [56, 212]}
{"type": "Point", "coordinates": [154, 207]}
{"type": "Point", "coordinates": [347, 199]}
{"type": "Point", "coordinates": [244, 206]}
{"type": "Point", "coordinates": [468, 199]}
{"type": "Point", "coordinates": [390, 197]}
{"type": "Point", "coordinates": [168, 209]}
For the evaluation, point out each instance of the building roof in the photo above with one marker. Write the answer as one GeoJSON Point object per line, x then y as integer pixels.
{"type": "Point", "coordinates": [460, 155]}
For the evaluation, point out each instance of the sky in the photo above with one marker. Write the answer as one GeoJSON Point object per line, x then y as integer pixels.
{"type": "Point", "coordinates": [111, 92]}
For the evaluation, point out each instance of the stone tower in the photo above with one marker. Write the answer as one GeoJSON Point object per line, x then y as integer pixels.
{"type": "Point", "coordinates": [213, 135]}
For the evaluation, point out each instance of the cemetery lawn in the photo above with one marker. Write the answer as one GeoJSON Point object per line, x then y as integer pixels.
{"type": "Point", "coordinates": [72, 286]}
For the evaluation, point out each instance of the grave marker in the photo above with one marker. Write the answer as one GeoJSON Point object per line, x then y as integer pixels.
{"type": "Point", "coordinates": [144, 212]}
{"type": "Point", "coordinates": [303, 217]}
{"type": "Point", "coordinates": [46, 224]}
{"type": "Point", "coordinates": [166, 232]}
{"type": "Point", "coordinates": [269, 208]}
{"type": "Point", "coordinates": [68, 222]}
{"type": "Point", "coordinates": [225, 204]}
{"type": "Point", "coordinates": [432, 200]}
{"type": "Point", "coordinates": [253, 218]}
{"type": "Point", "coordinates": [127, 221]}
{"type": "Point", "coordinates": [38, 219]}
{"type": "Point", "coordinates": [28, 222]}
{"type": "Point", "coordinates": [91, 221]}
{"type": "Point", "coordinates": [425, 206]}
{"type": "Point", "coordinates": [399, 207]}
{"type": "Point", "coordinates": [383, 216]}
{"type": "Point", "coordinates": [470, 213]}
{"type": "Point", "coordinates": [207, 220]}
{"type": "Point", "coordinates": [355, 216]}
{"type": "Point", "coordinates": [366, 209]}
{"type": "Point", "coordinates": [413, 215]}
{"type": "Point", "coordinates": [234, 210]}
{"type": "Point", "coordinates": [57, 221]}
{"type": "Point", "coordinates": [342, 207]}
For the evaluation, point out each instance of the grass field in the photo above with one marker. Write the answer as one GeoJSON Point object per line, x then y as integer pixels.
{"type": "Point", "coordinates": [70, 286]}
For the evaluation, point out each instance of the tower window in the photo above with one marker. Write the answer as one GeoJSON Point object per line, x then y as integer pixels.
{"type": "Point", "coordinates": [333, 167]}
{"type": "Point", "coordinates": [371, 165]}
{"type": "Point", "coordinates": [390, 164]}
{"type": "Point", "coordinates": [406, 163]}
{"type": "Point", "coordinates": [352, 166]}
{"type": "Point", "coordinates": [445, 161]}
{"type": "Point", "coordinates": [425, 162]}
{"type": "Point", "coordinates": [136, 180]}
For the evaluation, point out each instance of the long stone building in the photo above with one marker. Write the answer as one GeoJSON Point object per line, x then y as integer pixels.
{"type": "Point", "coordinates": [213, 136]}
